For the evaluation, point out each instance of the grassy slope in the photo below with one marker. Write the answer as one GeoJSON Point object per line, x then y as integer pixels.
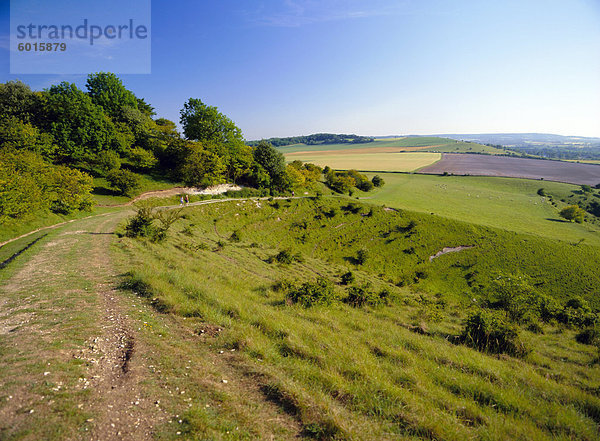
{"type": "Point", "coordinates": [362, 374]}
{"type": "Point", "coordinates": [511, 204]}
{"type": "Point", "coordinates": [441, 145]}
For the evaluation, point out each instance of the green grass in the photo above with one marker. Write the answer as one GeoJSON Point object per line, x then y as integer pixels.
{"type": "Point", "coordinates": [351, 373]}
{"type": "Point", "coordinates": [507, 203]}
{"type": "Point", "coordinates": [441, 145]}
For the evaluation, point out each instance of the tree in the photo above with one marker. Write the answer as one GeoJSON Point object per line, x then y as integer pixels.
{"type": "Point", "coordinates": [142, 159]}
{"type": "Point", "coordinates": [205, 123]}
{"type": "Point", "coordinates": [124, 181]}
{"type": "Point", "coordinates": [541, 192]}
{"type": "Point", "coordinates": [202, 168]}
{"type": "Point", "coordinates": [70, 190]}
{"type": "Point", "coordinates": [16, 134]}
{"type": "Point", "coordinates": [107, 91]}
{"type": "Point", "coordinates": [19, 101]}
{"type": "Point", "coordinates": [273, 162]}
{"type": "Point", "coordinates": [586, 188]}
{"type": "Point", "coordinates": [79, 127]}
{"type": "Point", "coordinates": [573, 213]}
{"type": "Point", "coordinates": [378, 181]}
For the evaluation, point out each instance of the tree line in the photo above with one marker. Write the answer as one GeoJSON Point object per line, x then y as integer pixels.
{"type": "Point", "coordinates": [316, 139]}
{"type": "Point", "coordinates": [53, 142]}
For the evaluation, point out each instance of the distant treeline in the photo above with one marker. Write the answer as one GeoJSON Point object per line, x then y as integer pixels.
{"type": "Point", "coordinates": [316, 139]}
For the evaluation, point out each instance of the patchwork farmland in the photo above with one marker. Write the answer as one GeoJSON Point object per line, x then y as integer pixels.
{"type": "Point", "coordinates": [485, 165]}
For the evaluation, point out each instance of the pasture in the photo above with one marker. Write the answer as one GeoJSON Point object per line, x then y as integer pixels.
{"type": "Point", "coordinates": [510, 204]}
{"type": "Point", "coordinates": [516, 167]}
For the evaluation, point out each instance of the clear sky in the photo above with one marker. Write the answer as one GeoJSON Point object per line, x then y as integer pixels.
{"type": "Point", "coordinates": [371, 67]}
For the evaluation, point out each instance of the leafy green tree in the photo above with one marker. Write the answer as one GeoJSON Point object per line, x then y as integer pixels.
{"type": "Point", "coordinates": [273, 162]}
{"type": "Point", "coordinates": [205, 123]}
{"type": "Point", "coordinates": [70, 190]}
{"type": "Point", "coordinates": [19, 101]}
{"type": "Point", "coordinates": [16, 134]}
{"type": "Point", "coordinates": [142, 159]}
{"type": "Point", "coordinates": [23, 183]}
{"type": "Point", "coordinates": [573, 213]}
{"type": "Point", "coordinates": [586, 188]}
{"type": "Point", "coordinates": [378, 181]}
{"type": "Point", "coordinates": [107, 160]}
{"type": "Point", "coordinates": [125, 181]}
{"type": "Point", "coordinates": [79, 127]}
{"type": "Point", "coordinates": [107, 91]}
{"type": "Point", "coordinates": [202, 168]}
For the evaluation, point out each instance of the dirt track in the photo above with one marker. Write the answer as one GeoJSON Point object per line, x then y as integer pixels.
{"type": "Point", "coordinates": [484, 165]}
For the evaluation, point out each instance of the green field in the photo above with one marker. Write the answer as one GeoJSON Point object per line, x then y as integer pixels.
{"type": "Point", "coordinates": [404, 162]}
{"type": "Point", "coordinates": [385, 372]}
{"type": "Point", "coordinates": [511, 204]}
{"type": "Point", "coordinates": [425, 143]}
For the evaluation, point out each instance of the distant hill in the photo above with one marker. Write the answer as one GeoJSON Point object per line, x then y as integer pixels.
{"type": "Point", "coordinates": [317, 139]}
{"type": "Point", "coordinates": [527, 139]}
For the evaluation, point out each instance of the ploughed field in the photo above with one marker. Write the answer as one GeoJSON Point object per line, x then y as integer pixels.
{"type": "Point", "coordinates": [461, 164]}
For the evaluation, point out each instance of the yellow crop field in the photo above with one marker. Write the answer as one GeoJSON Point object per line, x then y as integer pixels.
{"type": "Point", "coordinates": [343, 160]}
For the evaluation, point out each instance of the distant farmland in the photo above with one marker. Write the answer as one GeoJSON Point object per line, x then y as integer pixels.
{"type": "Point", "coordinates": [485, 165]}
{"type": "Point", "coordinates": [376, 161]}
{"type": "Point", "coordinates": [406, 144]}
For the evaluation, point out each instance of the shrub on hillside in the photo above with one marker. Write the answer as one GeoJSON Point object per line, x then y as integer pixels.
{"type": "Point", "coordinates": [361, 256]}
{"type": "Point", "coordinates": [489, 331]}
{"type": "Point", "coordinates": [286, 257]}
{"type": "Point", "coordinates": [347, 278]}
{"type": "Point", "coordinates": [573, 213]}
{"type": "Point", "coordinates": [313, 293]}
{"type": "Point", "coordinates": [378, 181]}
{"type": "Point", "coordinates": [107, 160]}
{"type": "Point", "coordinates": [144, 223]}
{"type": "Point", "coordinates": [124, 181]}
{"type": "Point", "coordinates": [142, 159]}
{"type": "Point", "coordinates": [359, 296]}
{"type": "Point", "coordinates": [589, 336]}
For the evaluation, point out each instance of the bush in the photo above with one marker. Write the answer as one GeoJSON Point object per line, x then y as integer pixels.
{"type": "Point", "coordinates": [488, 331]}
{"type": "Point", "coordinates": [589, 336]}
{"type": "Point", "coordinates": [142, 159]}
{"type": "Point", "coordinates": [541, 192]}
{"type": "Point", "coordinates": [361, 256]}
{"type": "Point", "coordinates": [107, 160]}
{"type": "Point", "coordinates": [347, 278]}
{"type": "Point", "coordinates": [313, 293]}
{"type": "Point", "coordinates": [359, 296]}
{"type": "Point", "coordinates": [573, 213]}
{"type": "Point", "coordinates": [124, 181]}
{"type": "Point", "coordinates": [378, 181]}
{"type": "Point", "coordinates": [286, 257]}
{"type": "Point", "coordinates": [143, 225]}
{"type": "Point", "coordinates": [235, 237]}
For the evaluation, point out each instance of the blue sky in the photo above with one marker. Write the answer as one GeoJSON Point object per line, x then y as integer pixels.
{"type": "Point", "coordinates": [371, 67]}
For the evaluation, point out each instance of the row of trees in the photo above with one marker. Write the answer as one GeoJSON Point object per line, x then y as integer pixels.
{"type": "Point", "coordinates": [316, 139]}
{"type": "Point", "coordinates": [69, 135]}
